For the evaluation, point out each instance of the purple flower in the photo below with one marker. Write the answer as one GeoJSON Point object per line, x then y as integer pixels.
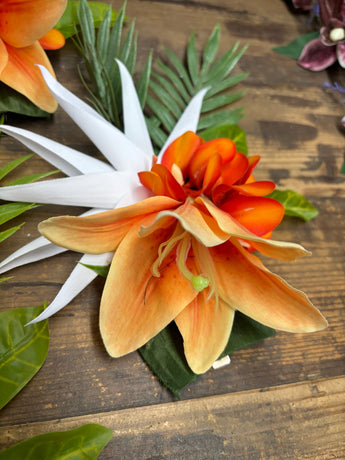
{"type": "Point", "coordinates": [324, 51]}
{"type": "Point", "coordinates": [303, 4]}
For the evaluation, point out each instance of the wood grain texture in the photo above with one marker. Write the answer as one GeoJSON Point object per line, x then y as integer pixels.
{"type": "Point", "coordinates": [297, 421]}
{"type": "Point", "coordinates": [295, 127]}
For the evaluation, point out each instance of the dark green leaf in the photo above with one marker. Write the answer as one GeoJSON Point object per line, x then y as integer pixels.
{"type": "Point", "coordinates": [192, 60]}
{"type": "Point", "coordinates": [220, 101]}
{"type": "Point", "coordinates": [12, 165]}
{"type": "Point", "coordinates": [232, 132]}
{"type": "Point", "coordinates": [7, 233]}
{"type": "Point", "coordinates": [11, 210]}
{"type": "Point", "coordinates": [164, 353]}
{"type": "Point", "coordinates": [161, 112]}
{"type": "Point", "coordinates": [166, 99]}
{"type": "Point", "coordinates": [176, 81]}
{"type": "Point", "coordinates": [103, 35]}
{"type": "Point", "coordinates": [144, 81]}
{"type": "Point", "coordinates": [69, 20]}
{"type": "Point", "coordinates": [83, 443]}
{"type": "Point", "coordinates": [225, 117]}
{"type": "Point", "coordinates": [295, 204]}
{"type": "Point", "coordinates": [169, 88]}
{"type": "Point", "coordinates": [101, 270]}
{"type": "Point", "coordinates": [14, 102]}
{"type": "Point", "coordinates": [180, 69]}
{"type": "Point", "coordinates": [210, 50]}
{"type": "Point", "coordinates": [23, 350]}
{"type": "Point", "coordinates": [226, 84]}
{"type": "Point", "coordinates": [295, 48]}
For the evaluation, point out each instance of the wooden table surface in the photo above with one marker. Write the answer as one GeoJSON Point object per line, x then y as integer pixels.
{"type": "Point", "coordinates": [283, 398]}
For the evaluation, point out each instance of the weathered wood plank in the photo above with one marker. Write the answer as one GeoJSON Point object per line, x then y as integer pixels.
{"type": "Point", "coordinates": [304, 421]}
{"type": "Point", "coordinates": [294, 125]}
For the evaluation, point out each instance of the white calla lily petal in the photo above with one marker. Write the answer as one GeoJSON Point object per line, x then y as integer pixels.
{"type": "Point", "coordinates": [38, 249]}
{"type": "Point", "coordinates": [134, 121]}
{"type": "Point", "coordinates": [188, 120]}
{"type": "Point", "coordinates": [123, 154]}
{"type": "Point", "coordinates": [101, 190]}
{"type": "Point", "coordinates": [78, 280]}
{"type": "Point", "coordinates": [69, 161]}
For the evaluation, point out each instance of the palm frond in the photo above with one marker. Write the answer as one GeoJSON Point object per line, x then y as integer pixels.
{"type": "Point", "coordinates": [99, 49]}
{"type": "Point", "coordinates": [175, 82]}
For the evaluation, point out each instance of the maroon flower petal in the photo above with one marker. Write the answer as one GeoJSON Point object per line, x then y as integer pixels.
{"type": "Point", "coordinates": [304, 5]}
{"type": "Point", "coordinates": [317, 56]}
{"type": "Point", "coordinates": [341, 54]}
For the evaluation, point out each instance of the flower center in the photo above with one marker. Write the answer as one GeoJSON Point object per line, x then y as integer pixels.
{"type": "Point", "coordinates": [337, 34]}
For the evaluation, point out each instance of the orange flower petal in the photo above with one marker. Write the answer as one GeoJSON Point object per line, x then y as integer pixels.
{"type": "Point", "coordinates": [181, 150]}
{"type": "Point", "coordinates": [135, 305]}
{"type": "Point", "coordinates": [258, 214]}
{"type": "Point", "coordinates": [277, 249]}
{"type": "Point", "coordinates": [258, 188]}
{"type": "Point", "coordinates": [172, 187]}
{"type": "Point", "coordinates": [100, 232]}
{"type": "Point", "coordinates": [3, 56]}
{"type": "Point", "coordinates": [22, 22]}
{"type": "Point", "coordinates": [250, 288]}
{"type": "Point", "coordinates": [234, 170]}
{"type": "Point", "coordinates": [197, 166]}
{"type": "Point", "coordinates": [212, 173]}
{"type": "Point", "coordinates": [198, 223]}
{"type": "Point", "coordinates": [205, 327]}
{"type": "Point", "coordinates": [22, 74]}
{"type": "Point", "coordinates": [52, 40]}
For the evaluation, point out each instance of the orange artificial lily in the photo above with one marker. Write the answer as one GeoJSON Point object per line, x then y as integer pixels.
{"type": "Point", "coordinates": [185, 253]}
{"type": "Point", "coordinates": [22, 24]}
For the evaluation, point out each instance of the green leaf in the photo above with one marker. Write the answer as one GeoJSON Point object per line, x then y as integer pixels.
{"type": "Point", "coordinates": [342, 170]}
{"type": "Point", "coordinates": [7, 233]}
{"type": "Point", "coordinates": [23, 349]}
{"type": "Point", "coordinates": [178, 82]}
{"type": "Point", "coordinates": [83, 443]}
{"type": "Point", "coordinates": [5, 279]}
{"type": "Point", "coordinates": [14, 102]}
{"type": "Point", "coordinates": [12, 165]}
{"type": "Point", "coordinates": [32, 178]}
{"type": "Point", "coordinates": [101, 270]}
{"type": "Point", "coordinates": [69, 20]}
{"type": "Point", "coordinates": [233, 132]}
{"type": "Point", "coordinates": [12, 210]}
{"type": "Point", "coordinates": [295, 48]}
{"type": "Point", "coordinates": [295, 204]}
{"type": "Point", "coordinates": [164, 353]}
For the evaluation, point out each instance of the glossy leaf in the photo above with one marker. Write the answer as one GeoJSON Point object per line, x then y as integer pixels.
{"type": "Point", "coordinates": [295, 204]}
{"type": "Point", "coordinates": [83, 443]}
{"type": "Point", "coordinates": [14, 102]}
{"type": "Point", "coordinates": [295, 48]}
{"type": "Point", "coordinates": [164, 353]}
{"type": "Point", "coordinates": [69, 20]}
{"type": "Point", "coordinates": [233, 132]}
{"type": "Point", "coordinates": [23, 349]}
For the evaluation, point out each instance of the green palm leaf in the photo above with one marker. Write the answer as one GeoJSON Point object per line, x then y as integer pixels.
{"type": "Point", "coordinates": [99, 51]}
{"type": "Point", "coordinates": [176, 82]}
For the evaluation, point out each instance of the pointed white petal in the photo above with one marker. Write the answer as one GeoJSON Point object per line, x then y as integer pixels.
{"type": "Point", "coordinates": [115, 146]}
{"type": "Point", "coordinates": [68, 160]}
{"type": "Point", "coordinates": [188, 120]}
{"type": "Point", "coordinates": [78, 280]}
{"type": "Point", "coordinates": [134, 195]}
{"type": "Point", "coordinates": [38, 249]}
{"type": "Point", "coordinates": [134, 121]}
{"type": "Point", "coordinates": [101, 190]}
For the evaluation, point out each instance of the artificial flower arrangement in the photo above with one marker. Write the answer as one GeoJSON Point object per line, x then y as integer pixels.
{"type": "Point", "coordinates": [174, 210]}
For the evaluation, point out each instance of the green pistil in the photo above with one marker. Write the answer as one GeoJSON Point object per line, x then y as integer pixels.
{"type": "Point", "coordinates": [199, 283]}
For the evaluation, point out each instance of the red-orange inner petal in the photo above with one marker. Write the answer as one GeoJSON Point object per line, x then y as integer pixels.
{"type": "Point", "coordinates": [258, 214]}
{"type": "Point", "coordinates": [181, 150]}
